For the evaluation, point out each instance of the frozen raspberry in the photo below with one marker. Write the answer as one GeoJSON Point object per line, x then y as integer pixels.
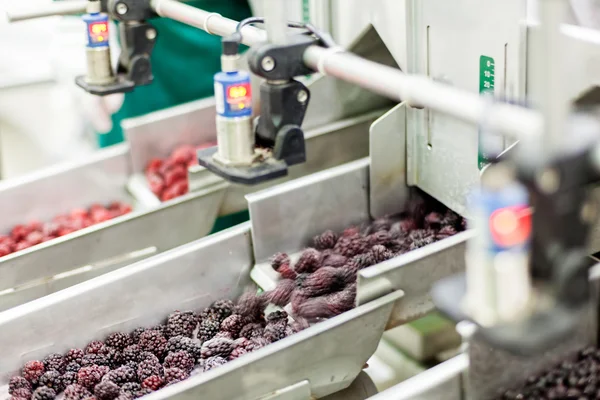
{"type": "Point", "coordinates": [181, 359]}
{"type": "Point", "coordinates": [282, 293]}
{"type": "Point", "coordinates": [43, 393]}
{"type": "Point", "coordinates": [54, 362]}
{"type": "Point", "coordinates": [32, 371]}
{"type": "Point", "coordinates": [68, 378]}
{"type": "Point", "coordinates": [184, 154]}
{"type": "Point", "coordinates": [251, 306]}
{"type": "Point", "coordinates": [18, 382]}
{"type": "Point", "coordinates": [326, 240]}
{"type": "Point", "coordinates": [350, 246]}
{"type": "Point", "coordinates": [278, 260]}
{"type": "Point", "coordinates": [217, 347]}
{"type": "Point", "coordinates": [213, 362]}
{"type": "Point", "coordinates": [175, 374]}
{"type": "Point", "coordinates": [106, 390]}
{"type": "Point", "coordinates": [181, 323]}
{"type": "Point", "coordinates": [51, 379]}
{"type": "Point", "coordinates": [175, 174]}
{"type": "Point", "coordinates": [76, 392]}
{"type": "Point", "coordinates": [5, 249]}
{"type": "Point", "coordinates": [95, 347]}
{"type": "Point", "coordinates": [153, 382]}
{"type": "Point", "coordinates": [309, 261]}
{"type": "Point", "coordinates": [154, 342]}
{"type": "Point", "coordinates": [118, 340]}
{"type": "Point", "coordinates": [233, 324]}
{"type": "Point", "coordinates": [88, 377]}
{"type": "Point", "coordinates": [121, 375]}
{"type": "Point", "coordinates": [130, 389]}
{"type": "Point", "coordinates": [149, 368]}
{"type": "Point", "coordinates": [154, 165]}
{"type": "Point", "coordinates": [287, 272]}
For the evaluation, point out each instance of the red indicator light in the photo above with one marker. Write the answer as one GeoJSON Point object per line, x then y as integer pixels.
{"type": "Point", "coordinates": [511, 226]}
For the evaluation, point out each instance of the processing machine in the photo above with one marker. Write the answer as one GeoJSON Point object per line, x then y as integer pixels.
{"type": "Point", "coordinates": [446, 136]}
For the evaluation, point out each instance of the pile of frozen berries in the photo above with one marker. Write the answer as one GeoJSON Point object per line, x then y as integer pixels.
{"type": "Point", "coordinates": [322, 283]}
{"type": "Point", "coordinates": [579, 379]}
{"type": "Point", "coordinates": [168, 178]}
{"type": "Point", "coordinates": [36, 232]}
{"type": "Point", "coordinates": [130, 365]}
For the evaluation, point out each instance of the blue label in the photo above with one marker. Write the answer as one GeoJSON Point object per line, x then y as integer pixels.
{"type": "Point", "coordinates": [97, 30]}
{"type": "Point", "coordinates": [233, 94]}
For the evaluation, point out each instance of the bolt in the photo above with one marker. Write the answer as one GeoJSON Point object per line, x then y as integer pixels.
{"type": "Point", "coordinates": [151, 34]}
{"type": "Point", "coordinates": [548, 181]}
{"type": "Point", "coordinates": [268, 64]}
{"type": "Point", "coordinates": [122, 9]}
{"type": "Point", "coordinates": [302, 96]}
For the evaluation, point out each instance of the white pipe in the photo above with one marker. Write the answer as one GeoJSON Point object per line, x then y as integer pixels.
{"type": "Point", "coordinates": [60, 8]}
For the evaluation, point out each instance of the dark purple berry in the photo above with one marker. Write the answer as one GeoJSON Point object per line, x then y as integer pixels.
{"type": "Point", "coordinates": [181, 359]}
{"type": "Point", "coordinates": [118, 340]}
{"type": "Point", "coordinates": [154, 342]}
{"type": "Point", "coordinates": [175, 374]}
{"type": "Point", "coordinates": [106, 390]}
{"type": "Point", "coordinates": [213, 362]}
{"type": "Point", "coordinates": [54, 362]}
{"type": "Point", "coordinates": [350, 246]}
{"type": "Point", "coordinates": [95, 347]}
{"type": "Point", "coordinates": [21, 393]}
{"type": "Point", "coordinates": [135, 335]}
{"type": "Point", "coordinates": [309, 261]}
{"type": "Point", "coordinates": [89, 377]}
{"type": "Point", "coordinates": [73, 367]}
{"type": "Point", "coordinates": [68, 378]}
{"type": "Point", "coordinates": [148, 368]}
{"type": "Point", "coordinates": [325, 240]}
{"type": "Point", "coordinates": [380, 254]}
{"type": "Point", "coordinates": [252, 330]}
{"type": "Point", "coordinates": [32, 371]}
{"type": "Point", "coordinates": [52, 379]}
{"type": "Point", "coordinates": [43, 393]}
{"type": "Point", "coordinates": [217, 347]}
{"type": "Point", "coordinates": [233, 324]}
{"type": "Point", "coordinates": [76, 392]}
{"type": "Point", "coordinates": [181, 323]}
{"type": "Point", "coordinates": [287, 272]}
{"type": "Point", "coordinates": [282, 293]}
{"type": "Point", "coordinates": [18, 382]}
{"type": "Point", "coordinates": [278, 260]}
{"type": "Point", "coordinates": [251, 306]}
{"type": "Point", "coordinates": [74, 355]}
{"type": "Point", "coordinates": [114, 358]}
{"type": "Point", "coordinates": [332, 259]}
{"type": "Point", "coordinates": [153, 382]}
{"type": "Point", "coordinates": [121, 375]}
{"type": "Point", "coordinates": [209, 327]}
{"type": "Point", "coordinates": [130, 388]}
{"type": "Point", "coordinates": [94, 359]}
{"type": "Point", "coordinates": [324, 280]}
{"type": "Point", "coordinates": [132, 353]}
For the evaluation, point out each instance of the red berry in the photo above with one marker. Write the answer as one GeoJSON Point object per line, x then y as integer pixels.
{"type": "Point", "coordinates": [154, 165]}
{"type": "Point", "coordinates": [167, 165]}
{"type": "Point", "coordinates": [35, 237]}
{"type": "Point", "coordinates": [100, 215]}
{"type": "Point", "coordinates": [183, 154]}
{"type": "Point", "coordinates": [168, 194]}
{"type": "Point", "coordinates": [175, 174]}
{"type": "Point", "coordinates": [18, 233]}
{"type": "Point", "coordinates": [79, 213]}
{"type": "Point", "coordinates": [50, 229]}
{"type": "Point", "coordinates": [181, 187]}
{"type": "Point", "coordinates": [4, 250]}
{"type": "Point", "coordinates": [32, 371]}
{"type": "Point", "coordinates": [153, 382]}
{"type": "Point", "coordinates": [22, 245]}
{"type": "Point", "coordinates": [65, 231]}
{"type": "Point", "coordinates": [156, 183]}
{"type": "Point", "coordinates": [193, 162]}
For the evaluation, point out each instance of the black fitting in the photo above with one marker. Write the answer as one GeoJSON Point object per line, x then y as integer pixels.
{"type": "Point", "coordinates": [130, 10]}
{"type": "Point", "coordinates": [284, 61]}
{"type": "Point", "coordinates": [231, 44]}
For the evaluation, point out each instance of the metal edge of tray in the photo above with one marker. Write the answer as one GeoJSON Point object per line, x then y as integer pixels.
{"type": "Point", "coordinates": [37, 270]}
{"type": "Point", "coordinates": [414, 273]}
{"type": "Point", "coordinates": [140, 294]}
{"type": "Point", "coordinates": [328, 146]}
{"type": "Point", "coordinates": [42, 195]}
{"type": "Point", "coordinates": [445, 381]}
{"type": "Point", "coordinates": [329, 355]}
{"type": "Point", "coordinates": [286, 217]}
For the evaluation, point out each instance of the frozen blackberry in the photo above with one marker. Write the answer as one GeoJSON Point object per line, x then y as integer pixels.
{"type": "Point", "coordinates": [153, 382]}
{"type": "Point", "coordinates": [95, 347]}
{"type": "Point", "coordinates": [332, 259]}
{"type": "Point", "coordinates": [279, 315]}
{"type": "Point", "coordinates": [309, 261]}
{"type": "Point", "coordinates": [287, 272]}
{"type": "Point", "coordinates": [350, 246]}
{"type": "Point", "coordinates": [130, 388]}
{"type": "Point", "coordinates": [209, 327]}
{"type": "Point", "coordinates": [131, 353]}
{"type": "Point", "coordinates": [329, 305]}
{"type": "Point", "coordinates": [21, 393]}
{"type": "Point", "coordinates": [325, 240]}
{"type": "Point", "coordinates": [32, 371]}
{"type": "Point", "coordinates": [135, 335]}
{"type": "Point", "coordinates": [72, 367]}
{"type": "Point", "coordinates": [43, 393]}
{"type": "Point", "coordinates": [240, 346]}
{"type": "Point", "coordinates": [107, 390]}
{"type": "Point", "coordinates": [118, 340]}
{"type": "Point", "coordinates": [114, 357]}
{"type": "Point", "coordinates": [76, 392]}
{"type": "Point", "coordinates": [148, 368]}
{"type": "Point", "coordinates": [175, 374]}
{"type": "Point", "coordinates": [380, 238]}
{"type": "Point", "coordinates": [94, 359]}
{"type": "Point", "coordinates": [68, 378]}
{"type": "Point", "coordinates": [403, 227]}
{"type": "Point", "coordinates": [18, 382]}
{"type": "Point", "coordinates": [278, 260]}
{"type": "Point", "coordinates": [421, 238]}
{"type": "Point", "coordinates": [251, 306]}
{"type": "Point", "coordinates": [121, 375]}
{"type": "Point", "coordinates": [324, 280]}
{"type": "Point", "coordinates": [452, 219]}
{"type": "Point", "coordinates": [445, 232]}
{"type": "Point", "coordinates": [380, 253]}
{"type": "Point", "coordinates": [217, 347]}
{"type": "Point", "coordinates": [275, 330]}
{"type": "Point", "coordinates": [299, 324]}
{"type": "Point", "coordinates": [88, 377]}
{"type": "Point", "coordinates": [54, 362]}
{"type": "Point", "coordinates": [433, 220]}
{"type": "Point", "coordinates": [154, 342]}
{"type": "Point", "coordinates": [181, 323]}
{"type": "Point", "coordinates": [363, 261]}
{"type": "Point", "coordinates": [233, 324]}
{"type": "Point", "coordinates": [282, 293]}
{"type": "Point", "coordinates": [51, 379]}
{"type": "Point", "coordinates": [74, 355]}
{"type": "Point", "coordinates": [221, 309]}
{"type": "Point", "coordinates": [131, 364]}
{"type": "Point", "coordinates": [180, 359]}
{"type": "Point", "coordinates": [143, 392]}
{"type": "Point", "coordinates": [252, 330]}
{"type": "Point", "coordinates": [213, 362]}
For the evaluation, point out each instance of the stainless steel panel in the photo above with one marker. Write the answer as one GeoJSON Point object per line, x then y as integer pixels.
{"type": "Point", "coordinates": [42, 195]}
{"type": "Point", "coordinates": [442, 150]}
{"type": "Point", "coordinates": [387, 147]}
{"type": "Point", "coordinates": [442, 382]}
{"type": "Point", "coordinates": [287, 216]}
{"type": "Point", "coordinates": [142, 294]}
{"type": "Point", "coordinates": [414, 273]}
{"type": "Point", "coordinates": [113, 239]}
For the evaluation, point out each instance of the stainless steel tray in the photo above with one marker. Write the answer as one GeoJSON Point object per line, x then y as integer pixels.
{"type": "Point", "coordinates": [87, 253]}
{"type": "Point", "coordinates": [328, 355]}
{"type": "Point", "coordinates": [286, 217]}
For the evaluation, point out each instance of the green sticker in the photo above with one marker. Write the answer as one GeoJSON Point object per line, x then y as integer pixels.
{"type": "Point", "coordinates": [305, 11]}
{"type": "Point", "coordinates": [487, 80]}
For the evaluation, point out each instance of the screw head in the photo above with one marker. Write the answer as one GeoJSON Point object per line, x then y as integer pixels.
{"type": "Point", "coordinates": [267, 63]}
{"type": "Point", "coordinates": [151, 34]}
{"type": "Point", "coordinates": [548, 181]}
{"type": "Point", "coordinates": [302, 96]}
{"type": "Point", "coordinates": [122, 8]}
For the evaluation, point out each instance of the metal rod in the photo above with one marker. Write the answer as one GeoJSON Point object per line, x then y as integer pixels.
{"type": "Point", "coordinates": [276, 21]}
{"type": "Point", "coordinates": [511, 120]}
{"type": "Point", "coordinates": [60, 8]}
